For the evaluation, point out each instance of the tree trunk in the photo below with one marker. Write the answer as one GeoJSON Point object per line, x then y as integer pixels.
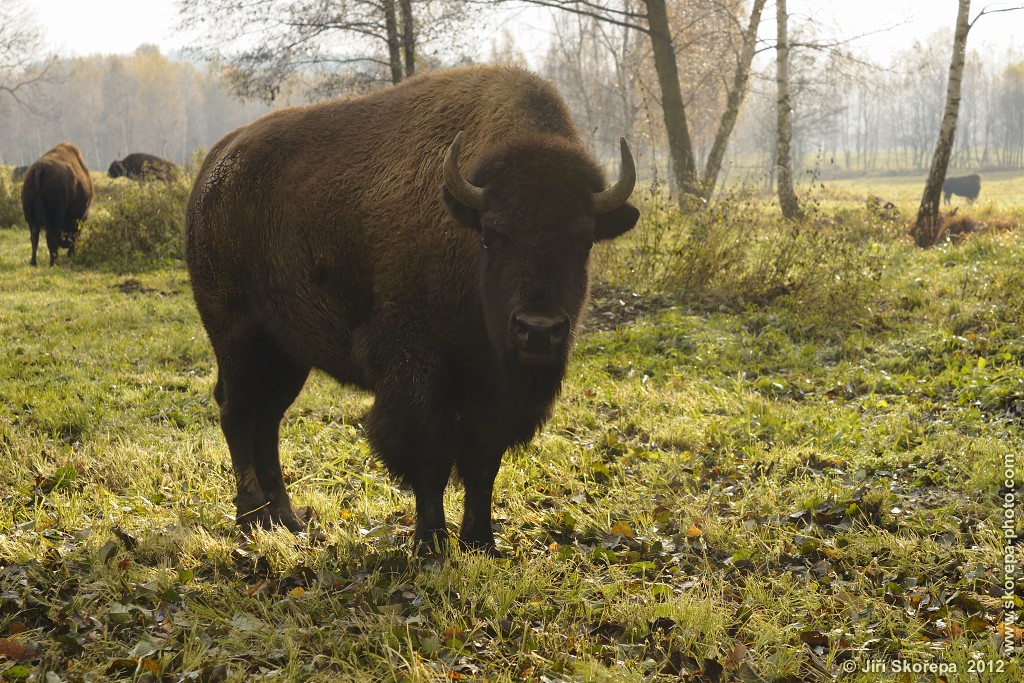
{"type": "Point", "coordinates": [408, 37]}
{"type": "Point", "coordinates": [735, 99]}
{"type": "Point", "coordinates": [926, 230]}
{"type": "Point", "coordinates": [683, 166]}
{"type": "Point", "coordinates": [394, 40]}
{"type": "Point", "coordinates": [787, 196]}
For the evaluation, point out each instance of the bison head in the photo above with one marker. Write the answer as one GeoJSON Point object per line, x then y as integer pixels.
{"type": "Point", "coordinates": [538, 204]}
{"type": "Point", "coordinates": [117, 169]}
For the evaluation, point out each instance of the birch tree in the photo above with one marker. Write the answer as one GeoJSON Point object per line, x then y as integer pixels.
{"type": "Point", "coordinates": [652, 19]}
{"type": "Point", "coordinates": [783, 110]}
{"type": "Point", "coordinates": [734, 100]}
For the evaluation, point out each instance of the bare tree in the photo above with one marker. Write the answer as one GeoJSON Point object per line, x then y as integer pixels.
{"type": "Point", "coordinates": [335, 45]}
{"type": "Point", "coordinates": [654, 20]}
{"type": "Point", "coordinates": [22, 64]}
{"type": "Point", "coordinates": [926, 229]}
{"type": "Point", "coordinates": [735, 98]}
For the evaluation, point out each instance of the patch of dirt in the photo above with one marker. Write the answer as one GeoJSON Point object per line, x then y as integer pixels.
{"type": "Point", "coordinates": [610, 308]}
{"type": "Point", "coordinates": [133, 286]}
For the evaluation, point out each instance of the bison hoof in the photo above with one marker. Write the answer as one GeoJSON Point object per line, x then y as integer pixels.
{"type": "Point", "coordinates": [270, 516]}
{"type": "Point", "coordinates": [485, 547]}
{"type": "Point", "coordinates": [433, 544]}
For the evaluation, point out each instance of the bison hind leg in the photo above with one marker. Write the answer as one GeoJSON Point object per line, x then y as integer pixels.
{"type": "Point", "coordinates": [34, 236]}
{"type": "Point", "coordinates": [255, 385]}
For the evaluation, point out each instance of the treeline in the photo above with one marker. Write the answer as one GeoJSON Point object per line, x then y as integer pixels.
{"type": "Point", "coordinates": [851, 114]}
{"type": "Point", "coordinates": [861, 117]}
{"type": "Point", "coordinates": [112, 105]}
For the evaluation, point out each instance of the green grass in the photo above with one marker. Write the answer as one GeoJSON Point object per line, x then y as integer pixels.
{"type": "Point", "coordinates": [731, 492]}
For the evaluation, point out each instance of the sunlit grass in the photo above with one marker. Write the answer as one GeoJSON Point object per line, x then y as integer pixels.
{"type": "Point", "coordinates": [764, 490]}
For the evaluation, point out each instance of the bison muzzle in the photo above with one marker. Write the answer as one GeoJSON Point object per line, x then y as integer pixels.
{"type": "Point", "coordinates": [444, 271]}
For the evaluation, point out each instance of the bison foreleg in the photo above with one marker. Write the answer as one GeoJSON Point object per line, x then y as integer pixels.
{"type": "Point", "coordinates": [478, 471]}
{"type": "Point", "coordinates": [416, 448]}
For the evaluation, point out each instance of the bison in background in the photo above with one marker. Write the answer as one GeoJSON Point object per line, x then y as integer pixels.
{"type": "Point", "coordinates": [140, 166]}
{"type": "Point", "coordinates": [18, 173]}
{"type": "Point", "coordinates": [968, 186]}
{"type": "Point", "coordinates": [344, 236]}
{"type": "Point", "coordinates": [56, 195]}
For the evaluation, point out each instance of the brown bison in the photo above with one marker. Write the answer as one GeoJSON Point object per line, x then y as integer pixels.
{"type": "Point", "coordinates": [344, 236]}
{"type": "Point", "coordinates": [968, 186]}
{"type": "Point", "coordinates": [56, 196]}
{"type": "Point", "coordinates": [139, 166]}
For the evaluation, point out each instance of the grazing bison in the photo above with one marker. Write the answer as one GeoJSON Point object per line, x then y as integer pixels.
{"type": "Point", "coordinates": [968, 186]}
{"type": "Point", "coordinates": [56, 195]}
{"type": "Point", "coordinates": [344, 236]}
{"type": "Point", "coordinates": [18, 173]}
{"type": "Point", "coordinates": [139, 166]}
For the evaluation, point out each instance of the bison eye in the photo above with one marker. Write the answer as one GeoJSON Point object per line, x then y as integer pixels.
{"type": "Point", "coordinates": [491, 238]}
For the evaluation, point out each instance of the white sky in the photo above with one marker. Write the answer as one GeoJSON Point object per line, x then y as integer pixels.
{"type": "Point", "coordinates": [83, 27]}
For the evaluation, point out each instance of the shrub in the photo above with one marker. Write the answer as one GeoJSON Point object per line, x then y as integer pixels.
{"type": "Point", "coordinates": [11, 215]}
{"type": "Point", "coordinates": [142, 229]}
{"type": "Point", "coordinates": [738, 252]}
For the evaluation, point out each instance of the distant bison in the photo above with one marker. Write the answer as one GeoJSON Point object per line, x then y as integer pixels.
{"type": "Point", "coordinates": [56, 196]}
{"type": "Point", "coordinates": [19, 173]}
{"type": "Point", "coordinates": [968, 186]}
{"type": "Point", "coordinates": [139, 166]}
{"type": "Point", "coordinates": [344, 236]}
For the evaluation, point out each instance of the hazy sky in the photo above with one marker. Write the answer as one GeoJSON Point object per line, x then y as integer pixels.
{"type": "Point", "coordinates": [82, 27]}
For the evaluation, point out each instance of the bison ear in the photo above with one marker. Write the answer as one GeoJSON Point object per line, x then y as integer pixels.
{"type": "Point", "coordinates": [617, 221]}
{"type": "Point", "coordinates": [460, 212]}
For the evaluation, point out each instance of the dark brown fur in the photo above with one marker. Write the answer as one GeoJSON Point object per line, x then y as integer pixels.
{"type": "Point", "coordinates": [319, 236]}
{"type": "Point", "coordinates": [140, 166]}
{"type": "Point", "coordinates": [56, 196]}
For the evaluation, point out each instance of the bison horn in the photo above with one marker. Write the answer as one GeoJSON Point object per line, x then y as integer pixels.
{"type": "Point", "coordinates": [616, 195]}
{"type": "Point", "coordinates": [467, 193]}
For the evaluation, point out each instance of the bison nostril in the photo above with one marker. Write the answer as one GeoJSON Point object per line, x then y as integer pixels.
{"type": "Point", "coordinates": [539, 334]}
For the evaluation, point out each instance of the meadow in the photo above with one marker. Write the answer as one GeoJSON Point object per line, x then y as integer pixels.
{"type": "Point", "coordinates": [780, 454]}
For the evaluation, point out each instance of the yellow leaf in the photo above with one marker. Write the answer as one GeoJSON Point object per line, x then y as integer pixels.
{"type": "Point", "coordinates": [622, 528]}
{"type": "Point", "coordinates": [982, 363]}
{"type": "Point", "coordinates": [694, 532]}
{"type": "Point", "coordinates": [297, 592]}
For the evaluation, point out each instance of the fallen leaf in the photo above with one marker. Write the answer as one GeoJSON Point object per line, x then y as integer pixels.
{"type": "Point", "coordinates": [622, 528]}
{"type": "Point", "coordinates": [12, 649]}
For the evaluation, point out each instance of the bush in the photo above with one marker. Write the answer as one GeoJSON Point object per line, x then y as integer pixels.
{"type": "Point", "coordinates": [11, 215]}
{"type": "Point", "coordinates": [143, 229]}
{"type": "Point", "coordinates": [738, 252]}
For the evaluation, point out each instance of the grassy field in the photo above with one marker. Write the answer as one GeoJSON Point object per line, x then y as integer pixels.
{"type": "Point", "coordinates": [805, 489]}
